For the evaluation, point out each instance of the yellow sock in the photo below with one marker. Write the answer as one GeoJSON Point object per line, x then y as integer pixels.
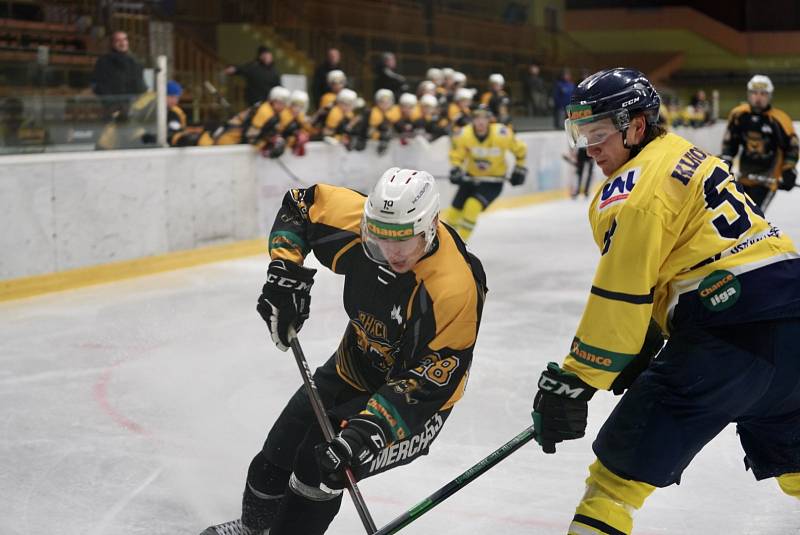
{"type": "Point", "coordinates": [790, 484]}
{"type": "Point", "coordinates": [472, 209]}
{"type": "Point", "coordinates": [608, 505]}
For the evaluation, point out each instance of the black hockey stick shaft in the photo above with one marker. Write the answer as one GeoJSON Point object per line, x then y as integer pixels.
{"type": "Point", "coordinates": [458, 483]}
{"type": "Point", "coordinates": [327, 431]}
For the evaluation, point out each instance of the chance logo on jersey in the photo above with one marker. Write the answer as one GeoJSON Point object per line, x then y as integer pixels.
{"type": "Point", "coordinates": [720, 290]}
{"type": "Point", "coordinates": [619, 188]}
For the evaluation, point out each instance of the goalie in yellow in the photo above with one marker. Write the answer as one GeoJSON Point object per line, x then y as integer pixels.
{"type": "Point", "coordinates": [480, 150]}
{"type": "Point", "coordinates": [682, 250]}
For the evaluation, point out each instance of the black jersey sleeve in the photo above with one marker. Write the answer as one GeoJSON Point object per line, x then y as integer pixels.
{"type": "Point", "coordinates": [323, 219]}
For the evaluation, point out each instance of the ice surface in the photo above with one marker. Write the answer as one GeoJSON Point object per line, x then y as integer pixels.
{"type": "Point", "coordinates": [135, 407]}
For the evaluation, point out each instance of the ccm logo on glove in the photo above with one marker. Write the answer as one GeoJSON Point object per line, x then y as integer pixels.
{"type": "Point", "coordinates": [560, 389]}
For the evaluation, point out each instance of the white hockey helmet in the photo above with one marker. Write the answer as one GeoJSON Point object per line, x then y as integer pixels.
{"type": "Point", "coordinates": [347, 97]}
{"type": "Point", "coordinates": [426, 87]}
{"type": "Point", "coordinates": [300, 99]}
{"type": "Point", "coordinates": [463, 93]}
{"type": "Point", "coordinates": [408, 100]}
{"type": "Point", "coordinates": [497, 78]}
{"type": "Point", "coordinates": [384, 95]}
{"type": "Point", "coordinates": [435, 75]}
{"type": "Point", "coordinates": [459, 78]}
{"type": "Point", "coordinates": [428, 101]}
{"type": "Point", "coordinates": [336, 77]}
{"type": "Point", "coordinates": [280, 94]}
{"type": "Point", "coordinates": [447, 73]}
{"type": "Point", "coordinates": [760, 82]}
{"type": "Point", "coordinates": [403, 204]}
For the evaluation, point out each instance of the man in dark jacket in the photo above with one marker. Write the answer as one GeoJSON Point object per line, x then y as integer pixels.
{"type": "Point", "coordinates": [319, 85]}
{"type": "Point", "coordinates": [260, 75]}
{"type": "Point", "coordinates": [118, 76]}
{"type": "Point", "coordinates": [387, 78]}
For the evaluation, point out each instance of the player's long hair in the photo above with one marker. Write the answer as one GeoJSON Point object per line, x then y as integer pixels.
{"type": "Point", "coordinates": [651, 132]}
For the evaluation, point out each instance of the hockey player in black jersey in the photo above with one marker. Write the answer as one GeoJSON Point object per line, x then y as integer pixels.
{"type": "Point", "coordinates": [767, 140]}
{"type": "Point", "coordinates": [414, 296]}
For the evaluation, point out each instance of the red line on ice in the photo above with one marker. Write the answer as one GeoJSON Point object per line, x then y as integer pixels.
{"type": "Point", "coordinates": [101, 397]}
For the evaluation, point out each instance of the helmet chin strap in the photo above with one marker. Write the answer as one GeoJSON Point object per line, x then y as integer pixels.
{"type": "Point", "coordinates": [635, 149]}
{"type": "Point", "coordinates": [624, 133]}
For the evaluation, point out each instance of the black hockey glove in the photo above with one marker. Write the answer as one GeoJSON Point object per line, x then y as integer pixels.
{"type": "Point", "coordinates": [356, 444]}
{"type": "Point", "coordinates": [285, 299]}
{"type": "Point", "coordinates": [274, 148]}
{"type": "Point", "coordinates": [518, 175]}
{"type": "Point", "coordinates": [457, 175]}
{"type": "Point", "coordinates": [653, 342]}
{"type": "Point", "coordinates": [560, 407]}
{"type": "Point", "coordinates": [788, 179]}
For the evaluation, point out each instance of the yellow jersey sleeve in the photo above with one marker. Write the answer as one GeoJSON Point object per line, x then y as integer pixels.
{"type": "Point", "coordinates": [262, 115]}
{"type": "Point", "coordinates": [620, 304]}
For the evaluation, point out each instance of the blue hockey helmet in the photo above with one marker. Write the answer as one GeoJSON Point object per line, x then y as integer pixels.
{"type": "Point", "coordinates": [617, 94]}
{"type": "Point", "coordinates": [174, 89]}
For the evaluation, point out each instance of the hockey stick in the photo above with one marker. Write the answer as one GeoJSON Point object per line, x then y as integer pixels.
{"type": "Point", "coordinates": [457, 484]}
{"type": "Point", "coordinates": [289, 172]}
{"type": "Point", "coordinates": [327, 430]}
{"type": "Point", "coordinates": [216, 94]}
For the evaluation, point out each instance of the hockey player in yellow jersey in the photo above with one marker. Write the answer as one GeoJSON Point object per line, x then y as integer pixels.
{"type": "Point", "coordinates": [414, 297]}
{"type": "Point", "coordinates": [496, 99]}
{"type": "Point", "coordinates": [294, 126]}
{"type": "Point", "coordinates": [459, 112]}
{"type": "Point", "coordinates": [410, 122]}
{"type": "Point", "coordinates": [682, 250]}
{"type": "Point", "coordinates": [478, 160]}
{"type": "Point", "coordinates": [768, 143]}
{"type": "Point", "coordinates": [258, 124]}
{"type": "Point", "coordinates": [337, 81]}
{"type": "Point", "coordinates": [339, 117]}
{"type": "Point", "coordinates": [382, 118]}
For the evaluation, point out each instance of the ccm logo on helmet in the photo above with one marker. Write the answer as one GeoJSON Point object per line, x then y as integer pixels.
{"type": "Point", "coordinates": [631, 101]}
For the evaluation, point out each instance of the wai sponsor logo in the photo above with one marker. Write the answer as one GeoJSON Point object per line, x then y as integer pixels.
{"type": "Point", "coordinates": [618, 189]}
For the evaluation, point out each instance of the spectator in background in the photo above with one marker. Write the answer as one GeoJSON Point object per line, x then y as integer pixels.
{"type": "Point", "coordinates": [176, 117]}
{"type": "Point", "coordinates": [117, 77]}
{"type": "Point", "coordinates": [260, 75]}
{"type": "Point", "coordinates": [535, 94]}
{"type": "Point", "coordinates": [319, 84]}
{"type": "Point", "coordinates": [387, 78]}
{"type": "Point", "coordinates": [699, 111]}
{"type": "Point", "coordinates": [562, 91]}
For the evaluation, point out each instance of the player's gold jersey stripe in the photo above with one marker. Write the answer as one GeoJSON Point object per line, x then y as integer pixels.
{"type": "Point", "coordinates": [343, 250]}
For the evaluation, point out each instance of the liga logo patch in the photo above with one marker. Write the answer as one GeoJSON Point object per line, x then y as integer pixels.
{"type": "Point", "coordinates": [719, 291]}
{"type": "Point", "coordinates": [618, 189]}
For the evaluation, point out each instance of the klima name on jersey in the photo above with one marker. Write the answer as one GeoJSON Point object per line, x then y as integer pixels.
{"type": "Point", "coordinates": [619, 188]}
